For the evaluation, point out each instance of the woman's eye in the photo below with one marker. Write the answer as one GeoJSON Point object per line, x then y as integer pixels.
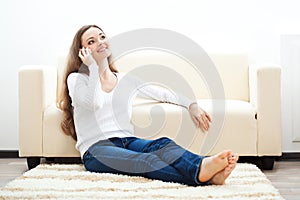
{"type": "Point", "coordinates": [90, 42]}
{"type": "Point", "coordinates": [102, 37]}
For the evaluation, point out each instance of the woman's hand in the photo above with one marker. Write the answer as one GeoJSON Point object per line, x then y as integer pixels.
{"type": "Point", "coordinates": [200, 117]}
{"type": "Point", "coordinates": [85, 54]}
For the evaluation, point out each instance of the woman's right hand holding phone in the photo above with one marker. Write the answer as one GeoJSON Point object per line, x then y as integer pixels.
{"type": "Point", "coordinates": [85, 54]}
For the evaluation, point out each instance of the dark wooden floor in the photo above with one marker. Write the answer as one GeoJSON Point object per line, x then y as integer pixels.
{"type": "Point", "coordinates": [285, 176]}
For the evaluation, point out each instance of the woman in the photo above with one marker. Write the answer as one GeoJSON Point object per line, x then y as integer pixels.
{"type": "Point", "coordinates": [89, 84]}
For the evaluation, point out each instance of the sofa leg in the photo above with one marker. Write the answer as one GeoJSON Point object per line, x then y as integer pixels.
{"type": "Point", "coordinates": [32, 162]}
{"type": "Point", "coordinates": [267, 162]}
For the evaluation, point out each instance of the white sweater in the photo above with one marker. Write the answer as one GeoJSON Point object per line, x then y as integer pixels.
{"type": "Point", "coordinates": [99, 115]}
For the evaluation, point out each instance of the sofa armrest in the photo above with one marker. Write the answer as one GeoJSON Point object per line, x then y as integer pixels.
{"type": "Point", "coordinates": [265, 95]}
{"type": "Point", "coordinates": [37, 90]}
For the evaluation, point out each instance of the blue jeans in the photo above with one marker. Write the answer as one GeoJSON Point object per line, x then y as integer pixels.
{"type": "Point", "coordinates": [160, 159]}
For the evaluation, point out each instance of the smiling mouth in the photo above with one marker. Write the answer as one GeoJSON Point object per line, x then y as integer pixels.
{"type": "Point", "coordinates": [101, 49]}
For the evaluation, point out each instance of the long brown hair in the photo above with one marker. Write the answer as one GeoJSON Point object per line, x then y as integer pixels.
{"type": "Point", "coordinates": [73, 65]}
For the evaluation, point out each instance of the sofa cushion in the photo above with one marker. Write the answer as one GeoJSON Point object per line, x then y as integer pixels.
{"type": "Point", "coordinates": [152, 120]}
{"type": "Point", "coordinates": [161, 119]}
{"type": "Point", "coordinates": [232, 69]}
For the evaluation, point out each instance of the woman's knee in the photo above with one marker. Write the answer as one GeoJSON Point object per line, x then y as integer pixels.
{"type": "Point", "coordinates": [165, 140]}
{"type": "Point", "coordinates": [161, 143]}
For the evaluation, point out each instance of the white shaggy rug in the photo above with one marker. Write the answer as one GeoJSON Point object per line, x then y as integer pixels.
{"type": "Point", "coordinates": [59, 181]}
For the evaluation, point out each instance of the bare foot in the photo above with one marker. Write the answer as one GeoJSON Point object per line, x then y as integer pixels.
{"type": "Point", "coordinates": [213, 164]}
{"type": "Point", "coordinates": [220, 177]}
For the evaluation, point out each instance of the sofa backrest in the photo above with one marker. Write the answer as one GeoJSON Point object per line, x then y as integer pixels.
{"type": "Point", "coordinates": [232, 70]}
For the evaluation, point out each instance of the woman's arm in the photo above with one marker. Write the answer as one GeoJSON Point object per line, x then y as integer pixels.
{"type": "Point", "coordinates": [163, 95]}
{"type": "Point", "coordinates": [86, 90]}
{"type": "Point", "coordinates": [200, 117]}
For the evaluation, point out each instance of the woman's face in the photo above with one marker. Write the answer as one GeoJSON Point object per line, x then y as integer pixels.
{"type": "Point", "coordinates": [96, 40]}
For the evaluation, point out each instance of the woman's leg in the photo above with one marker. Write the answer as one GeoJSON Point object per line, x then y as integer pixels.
{"type": "Point", "coordinates": [110, 156]}
{"type": "Point", "coordinates": [193, 167]}
{"type": "Point", "coordinates": [172, 154]}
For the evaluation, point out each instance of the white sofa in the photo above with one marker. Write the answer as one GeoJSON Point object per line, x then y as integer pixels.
{"type": "Point", "coordinates": [249, 124]}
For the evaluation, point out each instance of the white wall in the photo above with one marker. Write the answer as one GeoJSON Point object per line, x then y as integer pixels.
{"type": "Point", "coordinates": [36, 32]}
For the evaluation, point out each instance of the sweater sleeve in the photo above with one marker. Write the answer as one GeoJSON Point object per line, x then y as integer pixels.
{"type": "Point", "coordinates": [160, 93]}
{"type": "Point", "coordinates": [86, 90]}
